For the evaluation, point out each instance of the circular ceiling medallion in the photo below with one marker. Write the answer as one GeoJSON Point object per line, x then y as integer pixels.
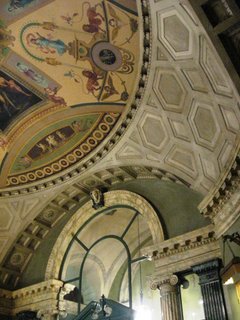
{"type": "Point", "coordinates": [106, 56]}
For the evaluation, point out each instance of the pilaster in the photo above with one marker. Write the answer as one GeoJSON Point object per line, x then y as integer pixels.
{"type": "Point", "coordinates": [211, 287]}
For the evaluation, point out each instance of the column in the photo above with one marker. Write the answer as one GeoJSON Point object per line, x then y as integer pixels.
{"type": "Point", "coordinates": [169, 298]}
{"type": "Point", "coordinates": [212, 291]}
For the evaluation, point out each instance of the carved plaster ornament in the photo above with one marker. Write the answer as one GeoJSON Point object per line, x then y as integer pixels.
{"type": "Point", "coordinates": [154, 285]}
{"type": "Point", "coordinates": [173, 280]}
{"type": "Point", "coordinates": [97, 198]}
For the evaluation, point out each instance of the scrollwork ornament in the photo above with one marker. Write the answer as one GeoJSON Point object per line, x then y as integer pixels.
{"type": "Point", "coordinates": [173, 280]}
{"type": "Point", "coordinates": [154, 285]}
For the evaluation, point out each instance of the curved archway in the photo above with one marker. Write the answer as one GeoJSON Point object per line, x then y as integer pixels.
{"type": "Point", "coordinates": [86, 212]}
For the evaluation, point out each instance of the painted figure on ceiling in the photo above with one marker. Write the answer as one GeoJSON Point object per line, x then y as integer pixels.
{"type": "Point", "coordinates": [70, 19]}
{"type": "Point", "coordinates": [16, 4]}
{"type": "Point", "coordinates": [6, 40]}
{"type": "Point", "coordinates": [28, 72]}
{"type": "Point", "coordinates": [51, 94]}
{"type": "Point", "coordinates": [46, 45]}
{"type": "Point", "coordinates": [25, 162]}
{"type": "Point", "coordinates": [6, 37]}
{"type": "Point", "coordinates": [92, 82]}
{"type": "Point", "coordinates": [12, 86]}
{"type": "Point", "coordinates": [7, 88]}
{"type": "Point", "coordinates": [95, 19]}
{"type": "Point", "coordinates": [14, 99]}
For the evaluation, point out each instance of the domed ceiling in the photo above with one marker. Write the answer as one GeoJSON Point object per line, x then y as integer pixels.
{"type": "Point", "coordinates": [68, 70]}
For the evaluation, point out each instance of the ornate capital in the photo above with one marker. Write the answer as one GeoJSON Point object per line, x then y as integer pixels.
{"type": "Point", "coordinates": [208, 271]}
{"type": "Point", "coordinates": [170, 280]}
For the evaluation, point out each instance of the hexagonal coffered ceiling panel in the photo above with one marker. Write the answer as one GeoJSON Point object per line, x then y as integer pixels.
{"type": "Point", "coordinates": [67, 73]}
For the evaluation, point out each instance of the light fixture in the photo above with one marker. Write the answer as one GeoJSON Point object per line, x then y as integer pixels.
{"type": "Point", "coordinates": [143, 313]}
{"type": "Point", "coordinates": [101, 308]}
{"type": "Point", "coordinates": [232, 269]}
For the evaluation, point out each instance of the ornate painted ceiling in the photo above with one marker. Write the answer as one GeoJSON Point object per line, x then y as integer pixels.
{"type": "Point", "coordinates": [67, 73]}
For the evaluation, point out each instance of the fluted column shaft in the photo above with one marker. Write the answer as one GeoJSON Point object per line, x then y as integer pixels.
{"type": "Point", "coordinates": [212, 292]}
{"type": "Point", "coordinates": [170, 304]}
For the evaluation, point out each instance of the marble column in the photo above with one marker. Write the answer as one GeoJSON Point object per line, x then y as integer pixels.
{"type": "Point", "coordinates": [212, 291]}
{"type": "Point", "coordinates": [169, 298]}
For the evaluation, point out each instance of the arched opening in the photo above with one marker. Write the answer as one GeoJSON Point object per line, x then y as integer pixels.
{"type": "Point", "coordinates": [104, 254]}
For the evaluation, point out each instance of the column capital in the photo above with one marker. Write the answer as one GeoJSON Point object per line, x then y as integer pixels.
{"type": "Point", "coordinates": [207, 266]}
{"type": "Point", "coordinates": [171, 280]}
{"type": "Point", "coordinates": [208, 271]}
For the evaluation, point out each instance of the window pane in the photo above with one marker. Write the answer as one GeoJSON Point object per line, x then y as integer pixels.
{"type": "Point", "coordinates": [114, 222]}
{"type": "Point", "coordinates": [101, 269]}
{"type": "Point", "coordinates": [73, 262]}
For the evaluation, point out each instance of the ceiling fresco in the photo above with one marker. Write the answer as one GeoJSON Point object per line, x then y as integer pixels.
{"type": "Point", "coordinates": [67, 74]}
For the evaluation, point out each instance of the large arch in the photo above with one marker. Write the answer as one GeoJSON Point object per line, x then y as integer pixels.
{"type": "Point", "coordinates": [111, 198]}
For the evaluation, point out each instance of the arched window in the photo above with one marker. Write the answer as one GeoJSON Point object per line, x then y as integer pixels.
{"type": "Point", "coordinates": [103, 256]}
{"type": "Point", "coordinates": [100, 252]}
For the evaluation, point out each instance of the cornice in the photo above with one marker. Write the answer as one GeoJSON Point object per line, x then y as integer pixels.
{"type": "Point", "coordinates": [41, 296]}
{"type": "Point", "coordinates": [185, 242]}
{"type": "Point", "coordinates": [215, 202]}
{"type": "Point", "coordinates": [182, 253]}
